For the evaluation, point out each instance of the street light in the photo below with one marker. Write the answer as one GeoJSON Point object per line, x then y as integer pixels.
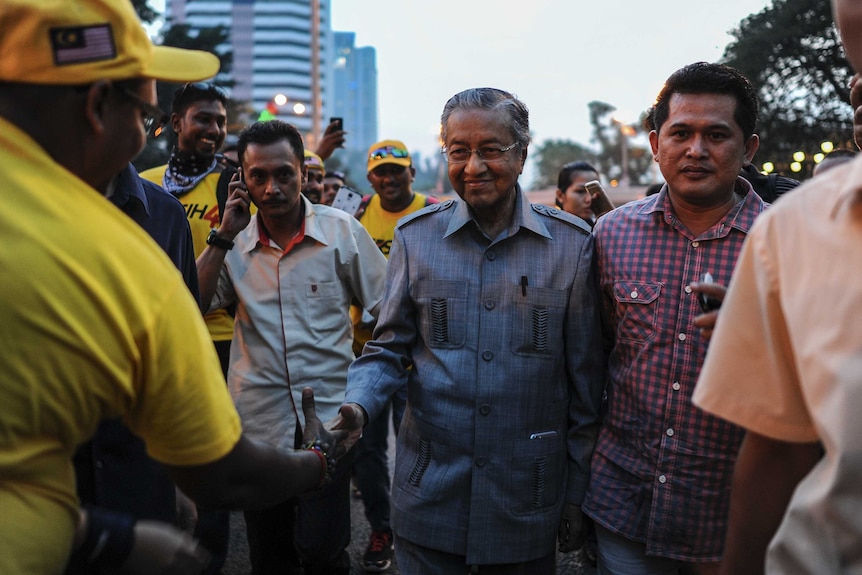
{"type": "Point", "coordinates": [626, 132]}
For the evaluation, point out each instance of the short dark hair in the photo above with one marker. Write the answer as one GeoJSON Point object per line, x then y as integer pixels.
{"type": "Point", "coordinates": [193, 92]}
{"type": "Point", "coordinates": [564, 178]}
{"type": "Point", "coordinates": [707, 78]}
{"type": "Point", "coordinates": [491, 99]}
{"type": "Point", "coordinates": [270, 132]}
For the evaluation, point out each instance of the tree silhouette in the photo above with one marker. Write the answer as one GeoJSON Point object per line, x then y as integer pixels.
{"type": "Point", "coordinates": [792, 54]}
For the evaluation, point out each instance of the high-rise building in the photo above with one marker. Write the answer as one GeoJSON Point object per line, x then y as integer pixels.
{"type": "Point", "coordinates": [273, 52]}
{"type": "Point", "coordinates": [355, 90]}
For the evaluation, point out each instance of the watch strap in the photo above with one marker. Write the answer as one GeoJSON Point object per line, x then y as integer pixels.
{"type": "Point", "coordinates": [214, 240]}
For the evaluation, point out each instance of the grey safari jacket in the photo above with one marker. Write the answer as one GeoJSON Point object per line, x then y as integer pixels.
{"type": "Point", "coordinates": [505, 344]}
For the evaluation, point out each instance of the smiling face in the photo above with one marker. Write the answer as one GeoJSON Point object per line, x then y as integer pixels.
{"type": "Point", "coordinates": [487, 186]}
{"type": "Point", "coordinates": [273, 175]}
{"type": "Point", "coordinates": [201, 130]}
{"type": "Point", "coordinates": [701, 148]}
{"type": "Point", "coordinates": [393, 184]}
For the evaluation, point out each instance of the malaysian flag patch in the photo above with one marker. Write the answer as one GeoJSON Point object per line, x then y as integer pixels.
{"type": "Point", "coordinates": [78, 44]}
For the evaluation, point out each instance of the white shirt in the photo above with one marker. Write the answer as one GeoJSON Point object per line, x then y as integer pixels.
{"type": "Point", "coordinates": [292, 318]}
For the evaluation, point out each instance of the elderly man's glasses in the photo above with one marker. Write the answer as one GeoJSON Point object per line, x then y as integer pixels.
{"type": "Point", "coordinates": [388, 152]}
{"type": "Point", "coordinates": [485, 153]}
{"type": "Point", "coordinates": [155, 118]}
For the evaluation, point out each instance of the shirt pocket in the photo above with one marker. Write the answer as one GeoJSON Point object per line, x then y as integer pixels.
{"type": "Point", "coordinates": [536, 474]}
{"type": "Point", "coordinates": [637, 304]}
{"type": "Point", "coordinates": [539, 316]}
{"type": "Point", "coordinates": [321, 298]}
{"type": "Point", "coordinates": [442, 306]}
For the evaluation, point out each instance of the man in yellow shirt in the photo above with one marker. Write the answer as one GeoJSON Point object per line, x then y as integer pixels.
{"type": "Point", "coordinates": [390, 173]}
{"type": "Point", "coordinates": [95, 321]}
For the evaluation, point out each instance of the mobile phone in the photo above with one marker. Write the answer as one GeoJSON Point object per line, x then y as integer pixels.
{"type": "Point", "coordinates": [347, 200]}
{"type": "Point", "coordinates": [601, 203]}
{"type": "Point", "coordinates": [707, 302]}
{"type": "Point", "coordinates": [339, 123]}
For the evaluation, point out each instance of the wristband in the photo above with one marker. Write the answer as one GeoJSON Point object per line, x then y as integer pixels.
{"type": "Point", "coordinates": [327, 461]}
{"type": "Point", "coordinates": [108, 540]}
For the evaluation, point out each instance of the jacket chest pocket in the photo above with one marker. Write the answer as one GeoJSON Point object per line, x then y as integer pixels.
{"type": "Point", "coordinates": [539, 317]}
{"type": "Point", "coordinates": [442, 306]}
{"type": "Point", "coordinates": [637, 309]}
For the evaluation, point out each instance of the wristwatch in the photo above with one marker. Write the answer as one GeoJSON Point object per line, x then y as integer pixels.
{"type": "Point", "coordinates": [214, 240]}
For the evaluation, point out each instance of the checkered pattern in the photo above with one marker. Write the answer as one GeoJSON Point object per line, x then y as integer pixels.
{"type": "Point", "coordinates": [662, 468]}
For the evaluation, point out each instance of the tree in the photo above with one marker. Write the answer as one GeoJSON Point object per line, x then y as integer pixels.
{"type": "Point", "coordinates": [791, 53]}
{"type": "Point", "coordinates": [611, 134]}
{"type": "Point", "coordinates": [551, 155]}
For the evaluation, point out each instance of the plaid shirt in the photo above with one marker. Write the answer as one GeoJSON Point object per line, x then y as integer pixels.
{"type": "Point", "coordinates": [661, 472]}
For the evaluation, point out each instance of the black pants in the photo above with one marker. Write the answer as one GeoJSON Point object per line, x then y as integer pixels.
{"type": "Point", "coordinates": [308, 534]}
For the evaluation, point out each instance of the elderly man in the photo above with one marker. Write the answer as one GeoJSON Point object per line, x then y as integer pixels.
{"type": "Point", "coordinates": [492, 302]}
{"type": "Point", "coordinates": [95, 321]}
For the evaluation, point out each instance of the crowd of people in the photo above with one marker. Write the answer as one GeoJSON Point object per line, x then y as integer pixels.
{"type": "Point", "coordinates": [671, 384]}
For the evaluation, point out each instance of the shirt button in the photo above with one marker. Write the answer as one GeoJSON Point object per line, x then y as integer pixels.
{"type": "Point", "coordinates": [487, 355]}
{"type": "Point", "coordinates": [100, 464]}
{"type": "Point", "coordinates": [480, 462]}
{"type": "Point", "coordinates": [687, 289]}
{"type": "Point", "coordinates": [695, 244]}
{"type": "Point", "coordinates": [676, 386]}
{"type": "Point", "coordinates": [681, 337]}
{"type": "Point", "coordinates": [485, 409]}
{"type": "Point", "coordinates": [634, 295]}
{"type": "Point", "coordinates": [490, 256]}
{"type": "Point", "coordinates": [489, 304]}
{"type": "Point", "coordinates": [670, 432]}
{"type": "Point", "coordinates": [662, 479]}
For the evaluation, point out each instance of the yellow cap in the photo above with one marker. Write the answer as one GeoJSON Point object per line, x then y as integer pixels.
{"type": "Point", "coordinates": [76, 42]}
{"type": "Point", "coordinates": [388, 152]}
{"type": "Point", "coordinates": [313, 161]}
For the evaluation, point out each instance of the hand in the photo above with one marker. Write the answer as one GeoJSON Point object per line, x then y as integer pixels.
{"type": "Point", "coordinates": [332, 139]}
{"type": "Point", "coordinates": [600, 203]}
{"type": "Point", "coordinates": [351, 419]}
{"type": "Point", "coordinates": [161, 549]}
{"type": "Point", "coordinates": [705, 322]}
{"type": "Point", "coordinates": [330, 440]}
{"type": "Point", "coordinates": [572, 533]}
{"type": "Point", "coordinates": [856, 103]}
{"type": "Point", "coordinates": [237, 212]}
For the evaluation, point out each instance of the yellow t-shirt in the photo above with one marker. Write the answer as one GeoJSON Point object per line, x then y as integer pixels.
{"type": "Point", "coordinates": [381, 227]}
{"type": "Point", "coordinates": [201, 205]}
{"type": "Point", "coordinates": [95, 322]}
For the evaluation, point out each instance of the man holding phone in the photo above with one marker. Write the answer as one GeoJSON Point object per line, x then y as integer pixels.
{"type": "Point", "coordinates": [660, 475]}
{"type": "Point", "coordinates": [390, 173]}
{"type": "Point", "coordinates": [292, 270]}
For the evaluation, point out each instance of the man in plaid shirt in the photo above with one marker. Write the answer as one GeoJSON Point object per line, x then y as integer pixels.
{"type": "Point", "coordinates": [660, 479]}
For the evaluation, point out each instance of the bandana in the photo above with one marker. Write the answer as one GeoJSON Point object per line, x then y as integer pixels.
{"type": "Point", "coordinates": [185, 171]}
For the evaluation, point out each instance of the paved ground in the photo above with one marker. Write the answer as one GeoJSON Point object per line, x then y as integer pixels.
{"type": "Point", "coordinates": [237, 563]}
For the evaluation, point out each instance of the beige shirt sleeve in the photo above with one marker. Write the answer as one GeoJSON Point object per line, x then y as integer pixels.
{"type": "Point", "coordinates": [750, 373]}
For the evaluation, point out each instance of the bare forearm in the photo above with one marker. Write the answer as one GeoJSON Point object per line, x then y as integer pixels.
{"type": "Point", "coordinates": [253, 475]}
{"type": "Point", "coordinates": [767, 471]}
{"type": "Point", "coordinates": [209, 265]}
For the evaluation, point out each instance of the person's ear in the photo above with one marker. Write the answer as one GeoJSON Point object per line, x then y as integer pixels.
{"type": "Point", "coordinates": [412, 173]}
{"type": "Point", "coordinates": [96, 105]}
{"type": "Point", "coordinates": [176, 121]}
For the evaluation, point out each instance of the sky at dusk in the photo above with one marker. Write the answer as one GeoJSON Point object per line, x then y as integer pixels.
{"type": "Point", "coordinates": [555, 55]}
